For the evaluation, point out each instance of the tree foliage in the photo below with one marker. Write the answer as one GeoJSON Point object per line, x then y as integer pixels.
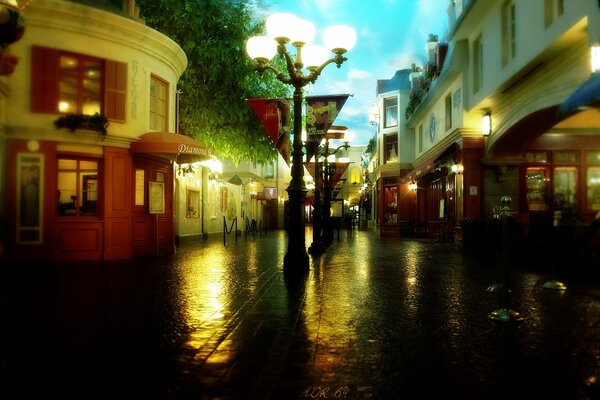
{"type": "Point", "coordinates": [219, 76]}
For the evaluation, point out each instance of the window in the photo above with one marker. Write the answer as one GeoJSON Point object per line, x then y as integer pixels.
{"type": "Point", "coordinates": [77, 187]}
{"type": "Point", "coordinates": [391, 112]}
{"type": "Point", "coordinates": [477, 64]}
{"type": "Point", "coordinates": [420, 139]}
{"type": "Point", "coordinates": [548, 12]}
{"type": "Point", "coordinates": [565, 187]}
{"type": "Point", "coordinates": [509, 32]}
{"type": "Point", "coordinates": [64, 82]}
{"type": "Point", "coordinates": [536, 179]}
{"type": "Point", "coordinates": [560, 7]}
{"type": "Point", "coordinates": [593, 188]}
{"type": "Point", "coordinates": [159, 104]}
{"type": "Point", "coordinates": [391, 148]}
{"type": "Point", "coordinates": [448, 115]}
{"type": "Point", "coordinates": [80, 80]}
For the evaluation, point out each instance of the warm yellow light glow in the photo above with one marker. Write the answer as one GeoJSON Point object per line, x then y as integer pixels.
{"type": "Point", "coordinates": [486, 124]}
{"type": "Point", "coordinates": [412, 186]}
{"type": "Point", "coordinates": [213, 165]}
{"type": "Point", "coordinates": [63, 106]}
{"type": "Point", "coordinates": [595, 57]}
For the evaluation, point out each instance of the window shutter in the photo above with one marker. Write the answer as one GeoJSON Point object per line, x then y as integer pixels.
{"type": "Point", "coordinates": [44, 80]}
{"type": "Point", "coordinates": [115, 90]}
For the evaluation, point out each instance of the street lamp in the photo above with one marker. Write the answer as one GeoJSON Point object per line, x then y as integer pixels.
{"type": "Point", "coordinates": [284, 28]}
{"type": "Point", "coordinates": [328, 171]}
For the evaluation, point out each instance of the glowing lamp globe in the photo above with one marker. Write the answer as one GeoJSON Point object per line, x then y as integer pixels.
{"type": "Point", "coordinates": [339, 38]}
{"type": "Point", "coordinates": [261, 48]}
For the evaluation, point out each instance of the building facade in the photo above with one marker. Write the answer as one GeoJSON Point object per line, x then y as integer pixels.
{"type": "Point", "coordinates": [87, 141]}
{"type": "Point", "coordinates": [504, 117]}
{"type": "Point", "coordinates": [395, 151]}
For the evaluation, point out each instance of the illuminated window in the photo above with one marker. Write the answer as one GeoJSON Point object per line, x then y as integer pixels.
{"type": "Point", "coordinates": [80, 80]}
{"type": "Point", "coordinates": [565, 186]}
{"type": "Point", "coordinates": [77, 187]}
{"type": "Point", "coordinates": [593, 188]}
{"type": "Point", "coordinates": [65, 82]}
{"type": "Point", "coordinates": [536, 184]}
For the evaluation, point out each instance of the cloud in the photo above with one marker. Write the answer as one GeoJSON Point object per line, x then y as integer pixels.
{"type": "Point", "coordinates": [359, 74]}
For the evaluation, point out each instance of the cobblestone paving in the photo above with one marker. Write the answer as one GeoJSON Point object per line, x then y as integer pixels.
{"type": "Point", "coordinates": [376, 318]}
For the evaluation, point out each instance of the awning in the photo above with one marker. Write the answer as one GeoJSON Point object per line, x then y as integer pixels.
{"type": "Point", "coordinates": [180, 148]}
{"type": "Point", "coordinates": [586, 96]}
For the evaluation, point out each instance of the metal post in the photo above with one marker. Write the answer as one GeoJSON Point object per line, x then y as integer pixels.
{"type": "Point", "coordinates": [554, 283]}
{"type": "Point", "coordinates": [505, 314]}
{"type": "Point", "coordinates": [317, 247]}
{"type": "Point", "coordinates": [296, 258]}
{"type": "Point", "coordinates": [327, 236]}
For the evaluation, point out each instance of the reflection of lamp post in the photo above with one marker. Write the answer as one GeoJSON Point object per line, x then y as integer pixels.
{"type": "Point", "coordinates": [328, 171]}
{"type": "Point", "coordinates": [286, 28]}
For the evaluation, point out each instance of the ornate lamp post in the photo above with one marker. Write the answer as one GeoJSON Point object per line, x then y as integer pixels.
{"type": "Point", "coordinates": [328, 171]}
{"type": "Point", "coordinates": [282, 29]}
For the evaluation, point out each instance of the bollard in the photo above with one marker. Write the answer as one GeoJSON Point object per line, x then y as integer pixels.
{"type": "Point", "coordinates": [505, 314]}
{"type": "Point", "coordinates": [497, 236]}
{"type": "Point", "coordinates": [555, 284]}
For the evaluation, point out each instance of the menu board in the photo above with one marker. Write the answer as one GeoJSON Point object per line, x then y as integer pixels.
{"type": "Point", "coordinates": [156, 197]}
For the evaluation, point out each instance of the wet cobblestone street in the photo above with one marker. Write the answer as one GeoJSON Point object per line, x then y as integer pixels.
{"type": "Point", "coordinates": [376, 318]}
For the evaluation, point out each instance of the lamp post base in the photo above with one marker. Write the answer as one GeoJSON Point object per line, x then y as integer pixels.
{"type": "Point", "coordinates": [296, 263]}
{"type": "Point", "coordinates": [554, 285]}
{"type": "Point", "coordinates": [506, 315]}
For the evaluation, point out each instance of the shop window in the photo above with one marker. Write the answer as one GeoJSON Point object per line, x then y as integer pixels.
{"type": "Point", "coordinates": [593, 157]}
{"type": "Point", "coordinates": [562, 157]}
{"type": "Point", "coordinates": [390, 194]}
{"type": "Point", "coordinates": [390, 112]}
{"type": "Point", "coordinates": [565, 187]}
{"type": "Point", "coordinates": [391, 148]}
{"type": "Point", "coordinates": [593, 188]}
{"type": "Point", "coordinates": [77, 187]}
{"type": "Point", "coordinates": [64, 82]}
{"type": "Point", "coordinates": [536, 186]}
{"type": "Point", "coordinates": [159, 104]}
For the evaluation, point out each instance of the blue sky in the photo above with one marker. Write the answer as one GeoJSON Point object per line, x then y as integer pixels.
{"type": "Point", "coordinates": [391, 34]}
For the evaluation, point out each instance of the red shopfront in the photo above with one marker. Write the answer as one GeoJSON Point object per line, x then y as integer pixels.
{"type": "Point", "coordinates": [68, 201]}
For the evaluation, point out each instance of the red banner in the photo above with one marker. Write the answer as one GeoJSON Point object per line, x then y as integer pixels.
{"type": "Point", "coordinates": [321, 111]}
{"type": "Point", "coordinates": [275, 117]}
{"type": "Point", "coordinates": [339, 169]}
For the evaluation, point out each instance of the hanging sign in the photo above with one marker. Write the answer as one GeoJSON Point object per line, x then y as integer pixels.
{"type": "Point", "coordinates": [274, 114]}
{"type": "Point", "coordinates": [321, 111]}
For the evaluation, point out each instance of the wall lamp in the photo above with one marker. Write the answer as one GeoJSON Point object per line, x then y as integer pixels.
{"type": "Point", "coordinates": [595, 58]}
{"type": "Point", "coordinates": [486, 123]}
{"type": "Point", "coordinates": [457, 168]}
{"type": "Point", "coordinates": [412, 186]}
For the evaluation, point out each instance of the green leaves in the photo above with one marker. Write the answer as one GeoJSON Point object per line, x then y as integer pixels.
{"type": "Point", "coordinates": [219, 77]}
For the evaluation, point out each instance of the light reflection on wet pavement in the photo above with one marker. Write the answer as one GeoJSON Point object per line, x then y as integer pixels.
{"type": "Point", "coordinates": [376, 318]}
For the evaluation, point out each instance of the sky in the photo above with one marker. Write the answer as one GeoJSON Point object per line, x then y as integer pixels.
{"type": "Point", "coordinates": [391, 35]}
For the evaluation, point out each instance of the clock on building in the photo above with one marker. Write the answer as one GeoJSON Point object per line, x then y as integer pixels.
{"type": "Point", "coordinates": [432, 128]}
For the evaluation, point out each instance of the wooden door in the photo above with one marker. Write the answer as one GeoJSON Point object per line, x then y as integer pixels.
{"type": "Point", "coordinates": [152, 215]}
